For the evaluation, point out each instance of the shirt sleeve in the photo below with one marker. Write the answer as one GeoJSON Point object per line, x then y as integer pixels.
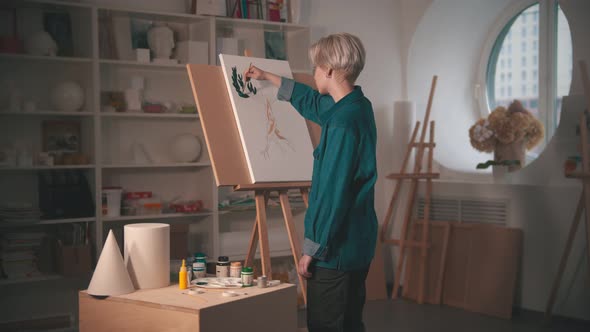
{"type": "Point", "coordinates": [307, 101]}
{"type": "Point", "coordinates": [334, 192]}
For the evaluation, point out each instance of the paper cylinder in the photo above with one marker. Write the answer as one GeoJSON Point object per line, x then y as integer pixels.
{"type": "Point", "coordinates": [147, 254]}
{"type": "Point", "coordinates": [403, 124]}
{"type": "Point", "coordinates": [110, 276]}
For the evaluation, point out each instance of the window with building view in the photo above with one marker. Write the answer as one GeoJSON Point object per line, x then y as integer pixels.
{"type": "Point", "coordinates": [543, 99]}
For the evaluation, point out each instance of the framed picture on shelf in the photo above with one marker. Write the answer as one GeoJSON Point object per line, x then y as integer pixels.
{"type": "Point", "coordinates": [139, 33]}
{"type": "Point", "coordinates": [58, 24]}
{"type": "Point", "coordinates": [61, 136]}
{"type": "Point", "coordinates": [274, 45]}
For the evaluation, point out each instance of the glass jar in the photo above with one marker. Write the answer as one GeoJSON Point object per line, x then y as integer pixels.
{"type": "Point", "coordinates": [235, 270]}
{"type": "Point", "coordinates": [247, 276]}
{"type": "Point", "coordinates": [222, 270]}
{"type": "Point", "coordinates": [200, 266]}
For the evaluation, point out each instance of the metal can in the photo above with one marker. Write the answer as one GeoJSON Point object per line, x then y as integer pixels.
{"type": "Point", "coordinates": [262, 282]}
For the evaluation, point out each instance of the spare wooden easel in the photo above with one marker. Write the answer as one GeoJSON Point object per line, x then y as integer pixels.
{"type": "Point", "coordinates": [403, 242]}
{"type": "Point", "coordinates": [229, 161]}
{"type": "Point", "coordinates": [583, 202]}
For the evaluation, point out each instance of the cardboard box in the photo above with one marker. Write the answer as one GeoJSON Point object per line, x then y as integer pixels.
{"type": "Point", "coordinates": [74, 260]}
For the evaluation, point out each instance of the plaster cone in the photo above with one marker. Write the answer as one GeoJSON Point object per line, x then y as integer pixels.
{"type": "Point", "coordinates": [110, 276]}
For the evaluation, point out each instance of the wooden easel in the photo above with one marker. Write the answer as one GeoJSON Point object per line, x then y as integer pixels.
{"type": "Point", "coordinates": [414, 177]}
{"type": "Point", "coordinates": [583, 202]}
{"type": "Point", "coordinates": [229, 162]}
{"type": "Point", "coordinates": [259, 230]}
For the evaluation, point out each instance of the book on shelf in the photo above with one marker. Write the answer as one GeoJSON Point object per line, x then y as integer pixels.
{"type": "Point", "coordinates": [19, 254]}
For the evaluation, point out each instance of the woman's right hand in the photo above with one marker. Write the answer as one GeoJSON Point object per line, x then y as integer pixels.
{"type": "Point", "coordinates": [255, 73]}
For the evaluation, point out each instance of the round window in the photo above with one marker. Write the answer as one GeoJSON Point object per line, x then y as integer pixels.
{"type": "Point", "coordinates": [531, 61]}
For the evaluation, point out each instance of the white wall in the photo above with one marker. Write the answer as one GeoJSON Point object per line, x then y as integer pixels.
{"type": "Point", "coordinates": [451, 51]}
{"type": "Point", "coordinates": [376, 23]}
{"type": "Point", "coordinates": [543, 203]}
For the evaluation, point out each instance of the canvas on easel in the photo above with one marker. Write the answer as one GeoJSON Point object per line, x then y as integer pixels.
{"type": "Point", "coordinates": [274, 136]}
{"type": "Point", "coordinates": [228, 159]}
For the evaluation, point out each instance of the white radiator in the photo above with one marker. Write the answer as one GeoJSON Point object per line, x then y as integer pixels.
{"type": "Point", "coordinates": [468, 210]}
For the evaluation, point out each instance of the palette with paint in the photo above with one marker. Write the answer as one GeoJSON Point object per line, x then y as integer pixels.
{"type": "Point", "coordinates": [217, 283]}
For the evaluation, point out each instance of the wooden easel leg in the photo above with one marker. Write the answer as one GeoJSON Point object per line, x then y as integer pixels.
{"type": "Point", "coordinates": [424, 240]}
{"type": "Point", "coordinates": [426, 227]}
{"type": "Point", "coordinates": [293, 238]}
{"type": "Point", "coordinates": [565, 256]}
{"type": "Point", "coordinates": [254, 239]}
{"type": "Point", "coordinates": [390, 210]}
{"type": "Point", "coordinates": [252, 244]}
{"type": "Point", "coordinates": [263, 234]}
{"type": "Point", "coordinates": [398, 185]}
{"type": "Point", "coordinates": [305, 196]}
{"type": "Point", "coordinates": [411, 255]}
{"type": "Point", "coordinates": [403, 239]}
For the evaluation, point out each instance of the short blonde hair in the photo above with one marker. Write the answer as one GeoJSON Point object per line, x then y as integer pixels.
{"type": "Point", "coordinates": [341, 52]}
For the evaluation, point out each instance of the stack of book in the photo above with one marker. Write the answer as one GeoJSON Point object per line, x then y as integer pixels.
{"type": "Point", "coordinates": [18, 254]}
{"type": "Point", "coordinates": [19, 213]}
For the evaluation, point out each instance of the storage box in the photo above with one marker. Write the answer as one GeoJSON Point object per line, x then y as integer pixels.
{"type": "Point", "coordinates": [231, 46]}
{"type": "Point", "coordinates": [211, 7]}
{"type": "Point", "coordinates": [189, 51]}
{"type": "Point", "coordinates": [142, 55]}
{"type": "Point", "coordinates": [74, 260]}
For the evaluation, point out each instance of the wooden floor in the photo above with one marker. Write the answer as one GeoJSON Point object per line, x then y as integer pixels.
{"type": "Point", "coordinates": [406, 316]}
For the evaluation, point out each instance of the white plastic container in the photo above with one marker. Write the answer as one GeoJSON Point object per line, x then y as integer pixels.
{"type": "Point", "coordinates": [111, 201]}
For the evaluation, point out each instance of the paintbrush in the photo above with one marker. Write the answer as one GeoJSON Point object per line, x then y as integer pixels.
{"type": "Point", "coordinates": [249, 67]}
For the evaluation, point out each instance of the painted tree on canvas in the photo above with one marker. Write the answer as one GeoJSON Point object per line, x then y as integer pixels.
{"type": "Point", "coordinates": [246, 89]}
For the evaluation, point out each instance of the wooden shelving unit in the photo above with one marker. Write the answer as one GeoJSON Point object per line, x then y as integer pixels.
{"type": "Point", "coordinates": [107, 137]}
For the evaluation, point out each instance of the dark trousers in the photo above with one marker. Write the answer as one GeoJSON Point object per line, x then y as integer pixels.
{"type": "Point", "coordinates": [335, 300]}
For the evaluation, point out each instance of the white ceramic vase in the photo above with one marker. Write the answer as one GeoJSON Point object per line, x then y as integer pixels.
{"type": "Point", "coordinates": [41, 43]}
{"type": "Point", "coordinates": [67, 97]}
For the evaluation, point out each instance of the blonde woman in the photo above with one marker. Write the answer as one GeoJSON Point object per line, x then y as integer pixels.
{"type": "Point", "coordinates": [340, 223]}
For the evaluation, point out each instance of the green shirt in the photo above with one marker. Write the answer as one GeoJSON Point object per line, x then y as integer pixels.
{"type": "Point", "coordinates": [340, 223]}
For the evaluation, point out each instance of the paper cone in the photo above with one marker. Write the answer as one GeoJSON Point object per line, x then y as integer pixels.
{"type": "Point", "coordinates": [110, 276]}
